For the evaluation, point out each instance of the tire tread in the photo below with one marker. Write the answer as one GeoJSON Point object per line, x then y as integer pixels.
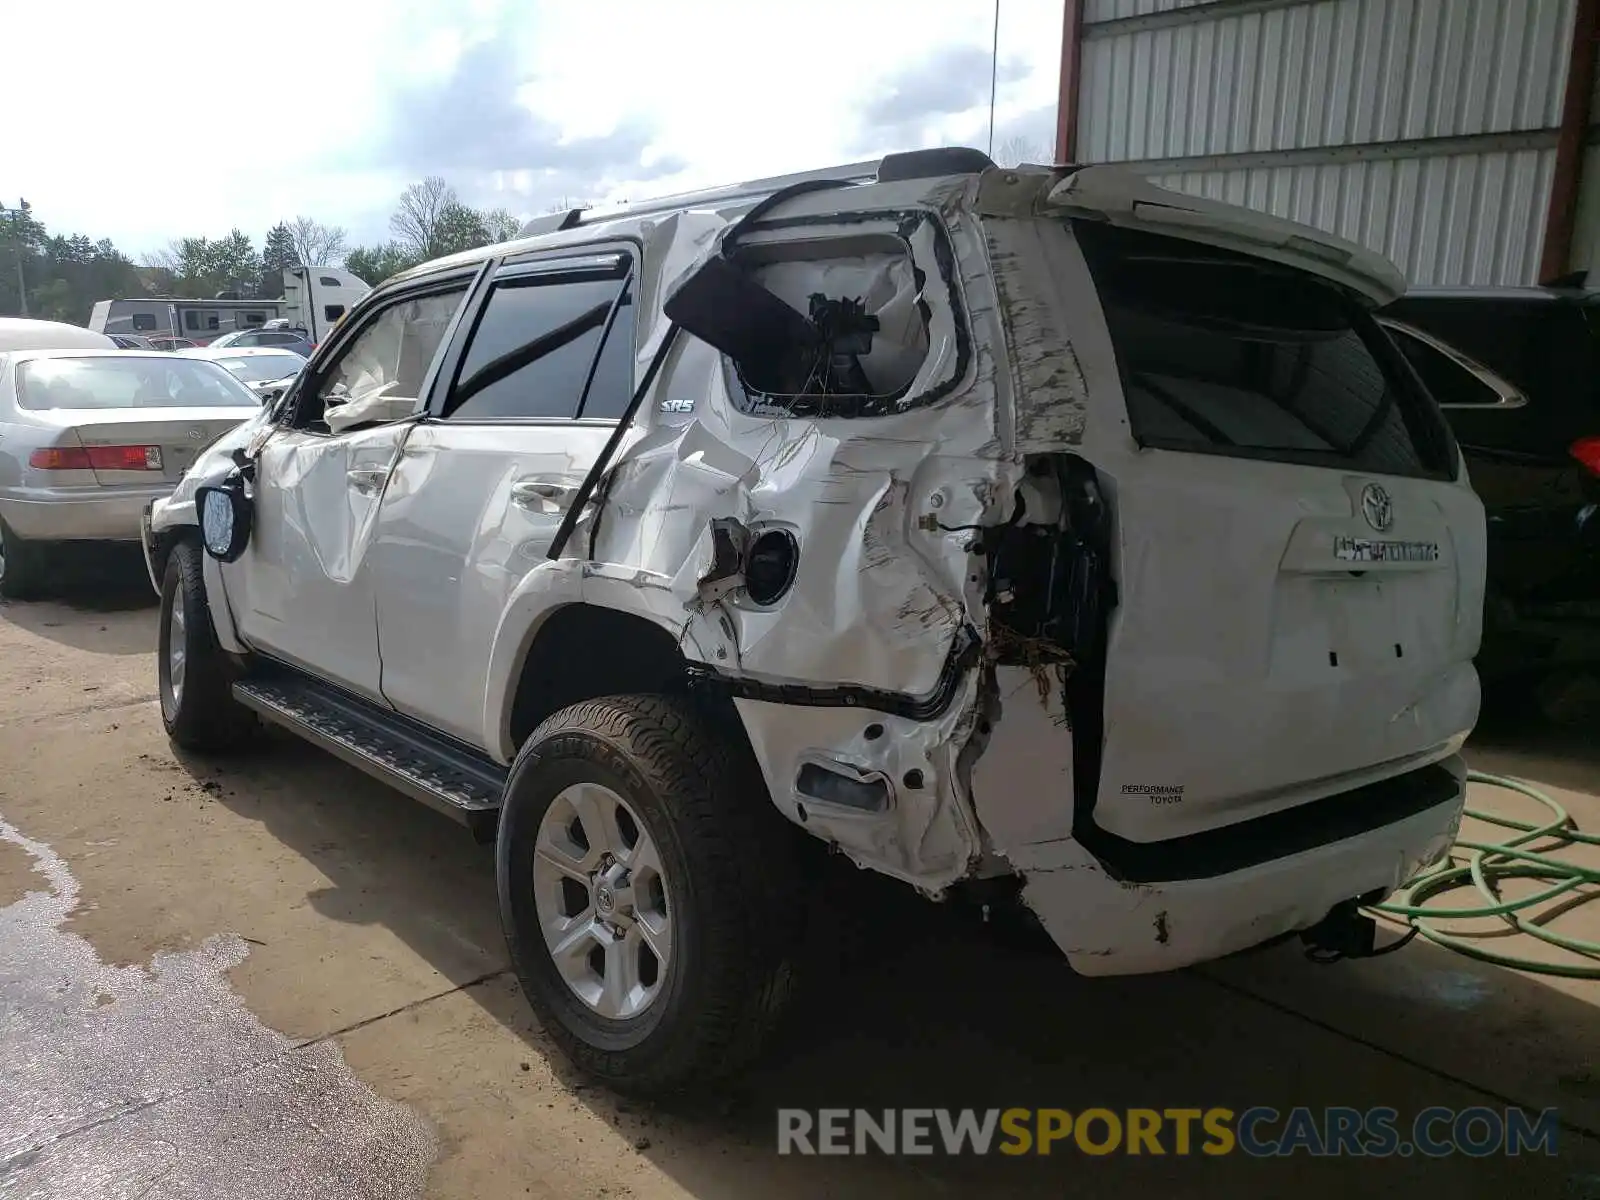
{"type": "Point", "coordinates": [743, 854]}
{"type": "Point", "coordinates": [208, 719]}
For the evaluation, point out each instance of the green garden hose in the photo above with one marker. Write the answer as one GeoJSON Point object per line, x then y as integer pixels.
{"type": "Point", "coordinates": [1485, 865]}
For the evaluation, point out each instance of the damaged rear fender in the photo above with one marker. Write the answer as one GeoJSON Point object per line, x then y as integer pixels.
{"type": "Point", "coordinates": [626, 591]}
{"type": "Point", "coordinates": [886, 790]}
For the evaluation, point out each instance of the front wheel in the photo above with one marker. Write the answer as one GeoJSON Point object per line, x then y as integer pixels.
{"type": "Point", "coordinates": [647, 892]}
{"type": "Point", "coordinates": [194, 677]}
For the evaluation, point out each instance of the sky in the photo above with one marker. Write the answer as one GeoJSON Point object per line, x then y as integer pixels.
{"type": "Point", "coordinates": [142, 127]}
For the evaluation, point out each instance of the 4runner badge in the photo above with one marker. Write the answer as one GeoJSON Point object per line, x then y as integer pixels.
{"type": "Point", "coordinates": [1376, 506]}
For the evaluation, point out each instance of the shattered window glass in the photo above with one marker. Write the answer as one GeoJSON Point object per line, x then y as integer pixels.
{"type": "Point", "coordinates": [872, 338]}
{"type": "Point", "coordinates": [808, 319]}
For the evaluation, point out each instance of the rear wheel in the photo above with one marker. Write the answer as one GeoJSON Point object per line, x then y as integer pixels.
{"type": "Point", "coordinates": [648, 894]}
{"type": "Point", "coordinates": [195, 678]}
{"type": "Point", "coordinates": [21, 566]}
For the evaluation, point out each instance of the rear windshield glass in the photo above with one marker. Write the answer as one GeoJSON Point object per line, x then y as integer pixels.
{"type": "Point", "coordinates": [132, 382]}
{"type": "Point", "coordinates": [262, 368]}
{"type": "Point", "coordinates": [1221, 353]}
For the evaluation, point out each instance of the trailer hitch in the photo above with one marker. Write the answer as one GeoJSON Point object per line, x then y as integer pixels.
{"type": "Point", "coordinates": [1347, 932]}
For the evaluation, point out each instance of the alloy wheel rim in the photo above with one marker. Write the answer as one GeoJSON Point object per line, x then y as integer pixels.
{"type": "Point", "coordinates": [603, 901]}
{"type": "Point", "coordinates": [176, 653]}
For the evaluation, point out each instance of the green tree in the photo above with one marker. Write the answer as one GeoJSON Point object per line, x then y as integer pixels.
{"type": "Point", "coordinates": [238, 265]}
{"type": "Point", "coordinates": [499, 225]}
{"type": "Point", "coordinates": [377, 263]}
{"type": "Point", "coordinates": [459, 228]}
{"type": "Point", "coordinates": [63, 275]}
{"type": "Point", "coordinates": [207, 267]}
{"type": "Point", "coordinates": [277, 253]}
{"type": "Point", "coordinates": [22, 240]}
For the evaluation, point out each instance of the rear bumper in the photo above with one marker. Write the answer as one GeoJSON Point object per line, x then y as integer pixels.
{"type": "Point", "coordinates": [108, 514]}
{"type": "Point", "coordinates": [1109, 926]}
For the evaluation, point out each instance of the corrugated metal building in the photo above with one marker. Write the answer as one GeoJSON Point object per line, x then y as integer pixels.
{"type": "Point", "coordinates": [1426, 129]}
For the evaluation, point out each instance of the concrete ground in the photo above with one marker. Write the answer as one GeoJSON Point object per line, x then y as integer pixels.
{"type": "Point", "coordinates": [274, 977]}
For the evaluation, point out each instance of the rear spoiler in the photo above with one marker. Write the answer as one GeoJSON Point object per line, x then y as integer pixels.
{"type": "Point", "coordinates": [1124, 198]}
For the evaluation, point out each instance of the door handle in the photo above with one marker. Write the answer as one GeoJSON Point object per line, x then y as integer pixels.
{"type": "Point", "coordinates": [530, 490]}
{"type": "Point", "coordinates": [367, 480]}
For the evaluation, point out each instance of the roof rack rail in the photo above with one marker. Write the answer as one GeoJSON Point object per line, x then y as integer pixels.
{"type": "Point", "coordinates": [911, 164]}
{"type": "Point", "coordinates": [555, 222]}
{"type": "Point", "coordinates": [860, 172]}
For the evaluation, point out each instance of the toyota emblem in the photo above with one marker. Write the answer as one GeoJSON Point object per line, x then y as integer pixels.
{"type": "Point", "coordinates": [196, 435]}
{"type": "Point", "coordinates": [1376, 507]}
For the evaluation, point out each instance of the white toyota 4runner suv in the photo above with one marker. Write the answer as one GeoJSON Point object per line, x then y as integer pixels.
{"type": "Point", "coordinates": [1033, 526]}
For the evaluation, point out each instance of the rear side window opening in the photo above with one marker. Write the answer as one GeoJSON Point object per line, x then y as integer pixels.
{"type": "Point", "coordinates": [826, 316]}
{"type": "Point", "coordinates": [1222, 353]}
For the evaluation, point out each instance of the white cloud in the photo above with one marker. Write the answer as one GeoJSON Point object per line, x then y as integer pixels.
{"type": "Point", "coordinates": [148, 129]}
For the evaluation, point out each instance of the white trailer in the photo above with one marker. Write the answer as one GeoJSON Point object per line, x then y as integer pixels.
{"type": "Point", "coordinates": [314, 299]}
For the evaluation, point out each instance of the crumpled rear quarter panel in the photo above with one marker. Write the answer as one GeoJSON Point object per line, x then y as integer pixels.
{"type": "Point", "coordinates": [881, 593]}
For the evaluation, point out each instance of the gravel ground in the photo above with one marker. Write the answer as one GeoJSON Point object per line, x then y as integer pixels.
{"type": "Point", "coordinates": [272, 976]}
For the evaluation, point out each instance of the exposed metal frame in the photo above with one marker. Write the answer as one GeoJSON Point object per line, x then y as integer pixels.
{"type": "Point", "coordinates": [1070, 82]}
{"type": "Point", "coordinates": [1561, 216]}
{"type": "Point", "coordinates": [1316, 156]}
{"type": "Point", "coordinates": [1193, 14]}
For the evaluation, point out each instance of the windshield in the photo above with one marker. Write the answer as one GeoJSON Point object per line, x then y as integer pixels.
{"type": "Point", "coordinates": [261, 368]}
{"type": "Point", "coordinates": [132, 382]}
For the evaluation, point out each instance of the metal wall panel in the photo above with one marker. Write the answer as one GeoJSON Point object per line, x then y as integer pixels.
{"type": "Point", "coordinates": [1321, 76]}
{"type": "Point", "coordinates": [1462, 219]}
{"type": "Point", "coordinates": [1338, 72]}
{"type": "Point", "coordinates": [1095, 11]}
{"type": "Point", "coordinates": [1585, 254]}
{"type": "Point", "coordinates": [1586, 221]}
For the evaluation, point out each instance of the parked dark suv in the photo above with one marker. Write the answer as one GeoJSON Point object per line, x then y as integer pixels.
{"type": "Point", "coordinates": [1533, 452]}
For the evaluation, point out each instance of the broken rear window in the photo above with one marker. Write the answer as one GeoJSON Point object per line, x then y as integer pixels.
{"type": "Point", "coordinates": [824, 322]}
{"type": "Point", "coordinates": [1222, 353]}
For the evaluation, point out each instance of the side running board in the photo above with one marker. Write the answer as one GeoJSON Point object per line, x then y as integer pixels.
{"type": "Point", "coordinates": [442, 773]}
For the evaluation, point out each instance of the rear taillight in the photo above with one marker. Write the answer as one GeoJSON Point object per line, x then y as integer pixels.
{"type": "Point", "coordinates": [74, 459]}
{"type": "Point", "coordinates": [1587, 451]}
{"type": "Point", "coordinates": [103, 458]}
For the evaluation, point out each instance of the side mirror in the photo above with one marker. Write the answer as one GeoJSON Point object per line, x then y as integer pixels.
{"type": "Point", "coordinates": [224, 514]}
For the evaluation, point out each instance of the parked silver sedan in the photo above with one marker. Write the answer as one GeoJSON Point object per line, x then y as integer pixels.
{"type": "Point", "coordinates": [266, 370]}
{"type": "Point", "coordinates": [88, 437]}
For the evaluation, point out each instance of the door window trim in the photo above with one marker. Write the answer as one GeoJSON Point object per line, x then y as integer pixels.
{"type": "Point", "coordinates": [610, 259]}
{"type": "Point", "coordinates": [1509, 395]}
{"type": "Point", "coordinates": [367, 313]}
